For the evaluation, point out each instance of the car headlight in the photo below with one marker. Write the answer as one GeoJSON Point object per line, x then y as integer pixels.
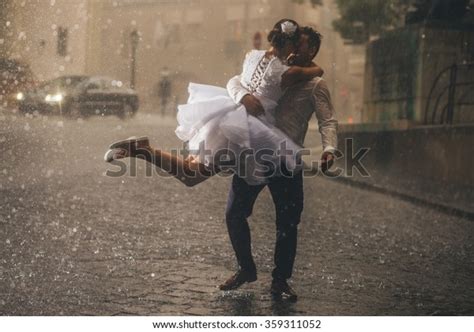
{"type": "Point", "coordinates": [55, 98]}
{"type": "Point", "coordinates": [20, 96]}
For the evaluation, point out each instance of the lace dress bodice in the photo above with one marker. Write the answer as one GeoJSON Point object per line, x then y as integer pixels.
{"type": "Point", "coordinates": [261, 76]}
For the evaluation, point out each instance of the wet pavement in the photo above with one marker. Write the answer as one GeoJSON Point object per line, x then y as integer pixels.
{"type": "Point", "coordinates": [76, 242]}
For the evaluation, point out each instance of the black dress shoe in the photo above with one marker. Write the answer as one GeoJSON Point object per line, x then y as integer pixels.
{"type": "Point", "coordinates": [281, 290]}
{"type": "Point", "coordinates": [238, 279]}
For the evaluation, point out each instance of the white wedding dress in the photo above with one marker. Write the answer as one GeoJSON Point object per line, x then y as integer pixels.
{"type": "Point", "coordinates": [213, 124]}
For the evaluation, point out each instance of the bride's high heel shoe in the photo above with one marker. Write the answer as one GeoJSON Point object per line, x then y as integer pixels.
{"type": "Point", "coordinates": [125, 148]}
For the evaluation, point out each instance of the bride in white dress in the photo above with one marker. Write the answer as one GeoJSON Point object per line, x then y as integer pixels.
{"type": "Point", "coordinates": [218, 130]}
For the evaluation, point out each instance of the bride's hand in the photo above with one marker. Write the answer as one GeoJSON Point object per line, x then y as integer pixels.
{"type": "Point", "coordinates": [253, 105]}
{"type": "Point", "coordinates": [290, 60]}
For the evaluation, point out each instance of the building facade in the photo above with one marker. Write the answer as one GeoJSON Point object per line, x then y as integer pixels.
{"type": "Point", "coordinates": [428, 81]}
{"type": "Point", "coordinates": [185, 40]}
{"type": "Point", "coordinates": [201, 40]}
{"type": "Point", "coordinates": [49, 36]}
{"type": "Point", "coordinates": [188, 40]}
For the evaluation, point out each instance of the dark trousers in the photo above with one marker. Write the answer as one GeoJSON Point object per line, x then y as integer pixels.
{"type": "Point", "coordinates": [287, 194]}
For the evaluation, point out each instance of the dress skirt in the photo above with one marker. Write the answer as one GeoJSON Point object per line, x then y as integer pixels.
{"type": "Point", "coordinates": [220, 132]}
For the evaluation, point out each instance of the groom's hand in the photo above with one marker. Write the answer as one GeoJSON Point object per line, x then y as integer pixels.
{"type": "Point", "coordinates": [252, 105]}
{"type": "Point", "coordinates": [327, 159]}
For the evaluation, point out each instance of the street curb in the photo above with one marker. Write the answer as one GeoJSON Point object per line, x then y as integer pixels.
{"type": "Point", "coordinates": [409, 198]}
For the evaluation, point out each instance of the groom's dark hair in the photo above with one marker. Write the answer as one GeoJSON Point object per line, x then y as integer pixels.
{"type": "Point", "coordinates": [314, 38]}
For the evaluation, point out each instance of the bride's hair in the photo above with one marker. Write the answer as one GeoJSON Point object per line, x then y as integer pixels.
{"type": "Point", "coordinates": [283, 31]}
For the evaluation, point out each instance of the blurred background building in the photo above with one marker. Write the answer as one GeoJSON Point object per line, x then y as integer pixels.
{"type": "Point", "coordinates": [195, 40]}
{"type": "Point", "coordinates": [49, 36]}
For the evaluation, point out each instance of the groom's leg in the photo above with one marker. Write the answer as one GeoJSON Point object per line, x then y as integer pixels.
{"type": "Point", "coordinates": [240, 203]}
{"type": "Point", "coordinates": [287, 194]}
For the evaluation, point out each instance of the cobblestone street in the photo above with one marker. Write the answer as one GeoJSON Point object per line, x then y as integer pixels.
{"type": "Point", "coordinates": [76, 242]}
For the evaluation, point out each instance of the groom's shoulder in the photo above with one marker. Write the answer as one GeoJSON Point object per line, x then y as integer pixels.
{"type": "Point", "coordinates": [314, 85]}
{"type": "Point", "coordinates": [318, 85]}
{"type": "Point", "coordinates": [318, 82]}
{"type": "Point", "coordinates": [308, 88]}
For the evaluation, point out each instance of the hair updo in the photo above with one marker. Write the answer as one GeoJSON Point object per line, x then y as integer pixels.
{"type": "Point", "coordinates": [284, 30]}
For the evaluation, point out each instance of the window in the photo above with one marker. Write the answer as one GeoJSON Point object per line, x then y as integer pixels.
{"type": "Point", "coordinates": [194, 19]}
{"type": "Point", "coordinates": [175, 33]}
{"type": "Point", "coordinates": [235, 29]}
{"type": "Point", "coordinates": [235, 17]}
{"type": "Point", "coordinates": [124, 47]}
{"type": "Point", "coordinates": [62, 41]}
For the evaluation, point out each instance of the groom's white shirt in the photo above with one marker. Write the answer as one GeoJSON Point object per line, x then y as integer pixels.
{"type": "Point", "coordinates": [296, 107]}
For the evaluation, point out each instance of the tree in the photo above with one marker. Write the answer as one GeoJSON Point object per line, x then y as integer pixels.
{"type": "Point", "coordinates": [360, 19]}
{"type": "Point", "coordinates": [450, 10]}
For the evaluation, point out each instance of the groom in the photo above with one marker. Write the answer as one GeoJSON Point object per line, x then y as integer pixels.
{"type": "Point", "coordinates": [292, 116]}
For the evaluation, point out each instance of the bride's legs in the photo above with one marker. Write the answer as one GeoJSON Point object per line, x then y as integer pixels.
{"type": "Point", "coordinates": [189, 172]}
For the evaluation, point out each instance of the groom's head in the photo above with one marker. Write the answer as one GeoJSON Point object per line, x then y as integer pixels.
{"type": "Point", "coordinates": [308, 47]}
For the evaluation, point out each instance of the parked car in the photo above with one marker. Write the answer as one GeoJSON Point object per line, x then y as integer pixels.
{"type": "Point", "coordinates": [80, 96]}
{"type": "Point", "coordinates": [15, 76]}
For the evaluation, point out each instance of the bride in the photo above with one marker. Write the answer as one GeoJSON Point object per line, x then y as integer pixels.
{"type": "Point", "coordinates": [218, 129]}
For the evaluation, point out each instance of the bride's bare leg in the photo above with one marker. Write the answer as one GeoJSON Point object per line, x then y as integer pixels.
{"type": "Point", "coordinates": [187, 171]}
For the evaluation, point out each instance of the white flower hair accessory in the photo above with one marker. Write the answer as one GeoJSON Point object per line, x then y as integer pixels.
{"type": "Point", "coordinates": [288, 28]}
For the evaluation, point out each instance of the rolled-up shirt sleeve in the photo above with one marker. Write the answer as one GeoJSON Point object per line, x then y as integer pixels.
{"type": "Point", "coordinates": [236, 90]}
{"type": "Point", "coordinates": [325, 114]}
